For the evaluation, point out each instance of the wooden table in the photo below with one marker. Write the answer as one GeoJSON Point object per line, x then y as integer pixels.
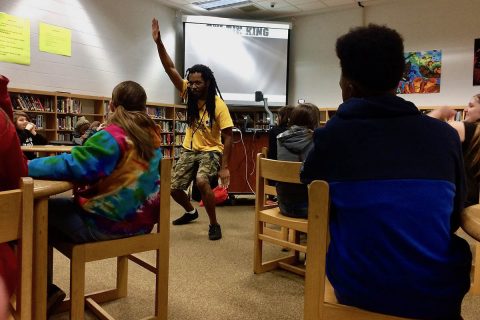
{"type": "Point", "coordinates": [470, 221]}
{"type": "Point", "coordinates": [42, 190]}
{"type": "Point", "coordinates": [47, 149]}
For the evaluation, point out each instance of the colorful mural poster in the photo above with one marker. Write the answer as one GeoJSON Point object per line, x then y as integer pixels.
{"type": "Point", "coordinates": [423, 71]}
{"type": "Point", "coordinates": [476, 63]}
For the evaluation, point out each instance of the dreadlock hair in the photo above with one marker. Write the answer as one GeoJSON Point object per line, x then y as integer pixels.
{"type": "Point", "coordinates": [129, 99]}
{"type": "Point", "coordinates": [193, 113]}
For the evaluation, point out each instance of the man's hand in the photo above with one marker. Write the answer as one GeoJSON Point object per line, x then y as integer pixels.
{"type": "Point", "coordinates": [155, 30]}
{"type": "Point", "coordinates": [224, 174]}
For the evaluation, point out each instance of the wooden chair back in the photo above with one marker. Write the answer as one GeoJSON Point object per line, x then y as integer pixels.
{"type": "Point", "coordinates": [319, 304]}
{"type": "Point", "coordinates": [282, 171]}
{"type": "Point", "coordinates": [123, 249]}
{"type": "Point", "coordinates": [16, 216]}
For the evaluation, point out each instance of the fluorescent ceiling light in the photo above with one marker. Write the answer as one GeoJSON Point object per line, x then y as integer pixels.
{"type": "Point", "coordinates": [216, 4]}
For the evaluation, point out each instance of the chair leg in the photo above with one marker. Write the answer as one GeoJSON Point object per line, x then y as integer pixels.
{"type": "Point", "coordinates": [161, 287]}
{"type": "Point", "coordinates": [258, 249]}
{"type": "Point", "coordinates": [77, 284]}
{"type": "Point", "coordinates": [122, 276]}
{"type": "Point", "coordinates": [475, 289]}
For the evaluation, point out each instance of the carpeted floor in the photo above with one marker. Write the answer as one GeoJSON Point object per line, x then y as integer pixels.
{"type": "Point", "coordinates": [210, 279]}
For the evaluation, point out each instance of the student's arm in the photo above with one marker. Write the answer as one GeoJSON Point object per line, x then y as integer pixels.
{"type": "Point", "coordinates": [224, 172]}
{"type": "Point", "coordinates": [97, 158]}
{"type": "Point", "coordinates": [167, 62]}
{"type": "Point", "coordinates": [460, 127]}
{"type": "Point", "coordinates": [442, 113]}
{"type": "Point", "coordinates": [38, 139]}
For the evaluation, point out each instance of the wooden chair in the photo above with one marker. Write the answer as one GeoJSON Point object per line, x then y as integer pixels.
{"type": "Point", "coordinates": [123, 249]}
{"type": "Point", "coordinates": [320, 301]}
{"type": "Point", "coordinates": [283, 171]}
{"type": "Point", "coordinates": [281, 233]}
{"type": "Point", "coordinates": [16, 216]}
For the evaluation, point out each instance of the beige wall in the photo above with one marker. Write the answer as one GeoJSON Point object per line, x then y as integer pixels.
{"type": "Point", "coordinates": [450, 26]}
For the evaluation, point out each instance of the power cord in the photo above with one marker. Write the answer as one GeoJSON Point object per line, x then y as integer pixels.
{"type": "Point", "coordinates": [246, 159]}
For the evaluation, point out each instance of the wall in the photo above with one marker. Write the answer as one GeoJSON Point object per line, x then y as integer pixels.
{"type": "Point", "coordinates": [111, 42]}
{"type": "Point", "coordinates": [450, 26]}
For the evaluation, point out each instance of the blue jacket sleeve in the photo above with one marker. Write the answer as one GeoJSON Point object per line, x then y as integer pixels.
{"type": "Point", "coordinates": [97, 158]}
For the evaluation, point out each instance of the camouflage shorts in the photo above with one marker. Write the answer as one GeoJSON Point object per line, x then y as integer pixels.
{"type": "Point", "coordinates": [193, 164]}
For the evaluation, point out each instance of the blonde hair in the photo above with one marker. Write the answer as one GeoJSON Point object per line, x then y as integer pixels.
{"type": "Point", "coordinates": [129, 100]}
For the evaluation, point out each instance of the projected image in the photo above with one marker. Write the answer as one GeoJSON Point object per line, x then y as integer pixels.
{"type": "Point", "coordinates": [423, 71]}
{"type": "Point", "coordinates": [244, 59]}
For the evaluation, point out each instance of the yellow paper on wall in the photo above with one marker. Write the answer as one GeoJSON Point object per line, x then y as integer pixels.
{"type": "Point", "coordinates": [53, 39]}
{"type": "Point", "coordinates": [14, 39]}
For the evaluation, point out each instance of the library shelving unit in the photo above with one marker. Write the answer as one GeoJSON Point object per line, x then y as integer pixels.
{"type": "Point", "coordinates": [56, 113]}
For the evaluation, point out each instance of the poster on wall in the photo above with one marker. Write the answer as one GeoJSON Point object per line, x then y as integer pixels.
{"type": "Point", "coordinates": [423, 71]}
{"type": "Point", "coordinates": [56, 40]}
{"type": "Point", "coordinates": [476, 63]}
{"type": "Point", "coordinates": [15, 39]}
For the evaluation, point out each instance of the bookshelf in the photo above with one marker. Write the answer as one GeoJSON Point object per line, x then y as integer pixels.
{"type": "Point", "coordinates": [56, 113]}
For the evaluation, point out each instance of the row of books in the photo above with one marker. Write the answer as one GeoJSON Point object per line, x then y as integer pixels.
{"type": "Point", "coordinates": [31, 103]}
{"type": "Point", "coordinates": [177, 151]}
{"type": "Point", "coordinates": [180, 127]}
{"type": "Point", "coordinates": [167, 152]}
{"type": "Point", "coordinates": [181, 115]}
{"type": "Point", "coordinates": [157, 113]}
{"type": "Point", "coordinates": [66, 123]}
{"type": "Point", "coordinates": [167, 138]}
{"type": "Point", "coordinates": [64, 137]}
{"type": "Point", "coordinates": [39, 121]}
{"type": "Point", "coordinates": [179, 139]}
{"type": "Point", "coordinates": [165, 126]}
{"type": "Point", "coordinates": [69, 105]}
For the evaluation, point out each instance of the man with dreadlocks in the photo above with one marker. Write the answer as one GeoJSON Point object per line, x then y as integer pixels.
{"type": "Point", "coordinates": [208, 121]}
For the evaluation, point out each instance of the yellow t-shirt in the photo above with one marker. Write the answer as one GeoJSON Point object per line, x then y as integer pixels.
{"type": "Point", "coordinates": [200, 137]}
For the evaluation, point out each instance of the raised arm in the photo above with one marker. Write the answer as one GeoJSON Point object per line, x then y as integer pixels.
{"type": "Point", "coordinates": [167, 62]}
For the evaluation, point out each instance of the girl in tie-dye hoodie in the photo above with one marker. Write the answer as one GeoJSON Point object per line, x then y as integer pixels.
{"type": "Point", "coordinates": [115, 174]}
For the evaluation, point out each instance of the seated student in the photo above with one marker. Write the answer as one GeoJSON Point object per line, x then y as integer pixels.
{"type": "Point", "coordinates": [116, 172]}
{"type": "Point", "coordinates": [469, 133]}
{"type": "Point", "coordinates": [27, 132]}
{"type": "Point", "coordinates": [293, 145]}
{"type": "Point", "coordinates": [81, 126]}
{"type": "Point", "coordinates": [396, 182]}
{"type": "Point", "coordinates": [281, 125]}
{"type": "Point", "coordinates": [92, 129]}
{"type": "Point", "coordinates": [14, 166]}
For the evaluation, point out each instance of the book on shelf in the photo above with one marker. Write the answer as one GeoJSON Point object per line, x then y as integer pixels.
{"type": "Point", "coordinates": [181, 115]}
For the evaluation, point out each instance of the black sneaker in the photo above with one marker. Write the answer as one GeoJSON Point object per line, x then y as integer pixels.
{"type": "Point", "coordinates": [214, 232]}
{"type": "Point", "coordinates": [55, 296]}
{"type": "Point", "coordinates": [186, 218]}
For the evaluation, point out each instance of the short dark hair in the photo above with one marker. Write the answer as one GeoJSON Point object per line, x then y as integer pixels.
{"type": "Point", "coordinates": [305, 115]}
{"type": "Point", "coordinates": [284, 115]}
{"type": "Point", "coordinates": [372, 56]}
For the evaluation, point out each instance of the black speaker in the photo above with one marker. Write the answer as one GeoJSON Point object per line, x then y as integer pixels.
{"type": "Point", "coordinates": [258, 96]}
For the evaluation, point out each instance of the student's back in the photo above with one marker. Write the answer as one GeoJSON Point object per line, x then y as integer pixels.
{"type": "Point", "coordinates": [13, 165]}
{"type": "Point", "coordinates": [396, 187]}
{"type": "Point", "coordinates": [116, 171]}
{"type": "Point", "coordinates": [294, 144]}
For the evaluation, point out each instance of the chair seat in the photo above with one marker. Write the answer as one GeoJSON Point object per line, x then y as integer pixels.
{"type": "Point", "coordinates": [273, 216]}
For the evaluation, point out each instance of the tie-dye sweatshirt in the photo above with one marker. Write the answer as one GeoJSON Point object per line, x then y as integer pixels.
{"type": "Point", "coordinates": [117, 189]}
